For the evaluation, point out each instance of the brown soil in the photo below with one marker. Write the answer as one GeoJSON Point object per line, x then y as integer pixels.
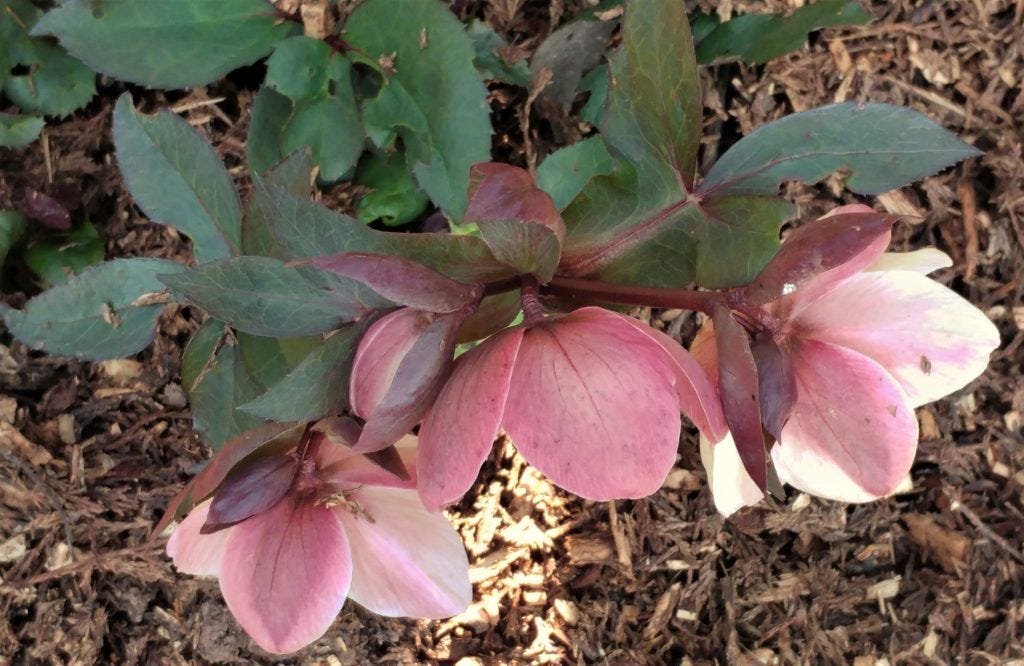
{"type": "Point", "coordinates": [92, 452]}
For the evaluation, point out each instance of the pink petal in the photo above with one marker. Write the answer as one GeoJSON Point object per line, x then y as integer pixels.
{"type": "Point", "coordinates": [592, 405]}
{"type": "Point", "coordinates": [380, 352]}
{"type": "Point", "coordinates": [923, 261]}
{"type": "Point", "coordinates": [358, 470]}
{"type": "Point", "coordinates": [459, 431]}
{"type": "Point", "coordinates": [929, 338]}
{"type": "Point", "coordinates": [195, 553]}
{"type": "Point", "coordinates": [406, 560]}
{"type": "Point", "coordinates": [731, 486]}
{"type": "Point", "coordinates": [816, 287]}
{"type": "Point", "coordinates": [286, 573]}
{"type": "Point", "coordinates": [851, 436]}
{"type": "Point", "coordinates": [698, 397]}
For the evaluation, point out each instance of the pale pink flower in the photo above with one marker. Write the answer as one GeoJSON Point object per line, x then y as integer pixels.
{"type": "Point", "coordinates": [868, 340]}
{"type": "Point", "coordinates": [345, 527]}
{"type": "Point", "coordinates": [591, 399]}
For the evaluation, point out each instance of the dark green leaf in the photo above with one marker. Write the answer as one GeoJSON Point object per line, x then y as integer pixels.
{"type": "Point", "coordinates": [294, 175]}
{"type": "Point", "coordinates": [92, 316]}
{"type": "Point", "coordinates": [758, 38]}
{"type": "Point", "coordinates": [329, 124]}
{"type": "Point", "coordinates": [567, 54]}
{"type": "Point", "coordinates": [488, 45]}
{"type": "Point", "coordinates": [317, 387]}
{"type": "Point", "coordinates": [177, 44]}
{"type": "Point", "coordinates": [433, 98]}
{"type": "Point", "coordinates": [18, 131]}
{"type": "Point", "coordinates": [12, 228]}
{"type": "Point", "coordinates": [270, 114]}
{"type": "Point", "coordinates": [263, 296]}
{"type": "Point", "coordinates": [298, 68]}
{"type": "Point", "coordinates": [395, 199]}
{"type": "Point", "coordinates": [302, 229]}
{"type": "Point", "coordinates": [60, 256]}
{"type": "Point", "coordinates": [55, 85]}
{"type": "Point", "coordinates": [596, 83]}
{"type": "Point", "coordinates": [176, 178]}
{"type": "Point", "coordinates": [566, 171]}
{"type": "Point", "coordinates": [217, 381]}
{"type": "Point", "coordinates": [880, 146]}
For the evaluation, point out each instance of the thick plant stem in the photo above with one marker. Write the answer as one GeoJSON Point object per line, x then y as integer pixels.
{"type": "Point", "coordinates": [656, 297]}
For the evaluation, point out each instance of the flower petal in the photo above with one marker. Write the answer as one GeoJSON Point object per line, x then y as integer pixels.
{"type": "Point", "coordinates": [380, 353]}
{"type": "Point", "coordinates": [286, 574]}
{"type": "Point", "coordinates": [698, 397]}
{"type": "Point", "coordinates": [459, 431]}
{"type": "Point", "coordinates": [406, 560]}
{"type": "Point", "coordinates": [923, 261]}
{"type": "Point", "coordinates": [929, 338]}
{"type": "Point", "coordinates": [851, 436]}
{"type": "Point", "coordinates": [195, 553]}
{"type": "Point", "coordinates": [360, 470]}
{"type": "Point", "coordinates": [592, 405]}
{"type": "Point", "coordinates": [821, 284]}
{"type": "Point", "coordinates": [731, 486]}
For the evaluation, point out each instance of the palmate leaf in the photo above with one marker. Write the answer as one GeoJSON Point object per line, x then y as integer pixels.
{"type": "Point", "coordinates": [432, 96]}
{"type": "Point", "coordinates": [177, 44]}
{"type": "Point", "coordinates": [642, 224]}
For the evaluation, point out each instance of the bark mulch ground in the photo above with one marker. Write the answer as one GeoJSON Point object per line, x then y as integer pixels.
{"type": "Point", "coordinates": [92, 452]}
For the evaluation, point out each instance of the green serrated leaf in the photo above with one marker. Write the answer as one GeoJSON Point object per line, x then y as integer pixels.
{"type": "Point", "coordinates": [317, 387]}
{"type": "Point", "coordinates": [176, 178]}
{"type": "Point", "coordinates": [487, 45]}
{"type": "Point", "coordinates": [60, 256]}
{"type": "Point", "coordinates": [18, 131]}
{"type": "Point", "coordinates": [92, 316]}
{"type": "Point", "coordinates": [302, 228]}
{"type": "Point", "coordinates": [433, 98]}
{"type": "Point", "coordinates": [294, 175]}
{"type": "Point", "coordinates": [178, 44]}
{"type": "Point", "coordinates": [55, 85]}
{"type": "Point", "coordinates": [567, 171]}
{"type": "Point", "coordinates": [329, 124]}
{"type": "Point", "coordinates": [263, 296]}
{"type": "Point", "coordinates": [395, 199]}
{"type": "Point", "coordinates": [879, 146]}
{"type": "Point", "coordinates": [758, 38]}
{"type": "Point", "coordinates": [298, 68]}
{"type": "Point", "coordinates": [270, 114]}
{"type": "Point", "coordinates": [217, 382]}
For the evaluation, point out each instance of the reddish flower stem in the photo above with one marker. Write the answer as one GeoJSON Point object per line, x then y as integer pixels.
{"type": "Point", "coordinates": [656, 297]}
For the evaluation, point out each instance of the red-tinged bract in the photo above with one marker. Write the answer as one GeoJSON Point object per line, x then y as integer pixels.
{"type": "Point", "coordinates": [591, 399]}
{"type": "Point", "coordinates": [867, 341]}
{"type": "Point", "coordinates": [347, 528]}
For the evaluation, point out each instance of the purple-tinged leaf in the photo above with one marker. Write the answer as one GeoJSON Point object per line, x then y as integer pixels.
{"type": "Point", "coordinates": [776, 382]}
{"type": "Point", "coordinates": [418, 379]}
{"type": "Point", "coordinates": [494, 313]}
{"type": "Point", "coordinates": [815, 248]}
{"type": "Point", "coordinates": [517, 220]}
{"type": "Point", "coordinates": [402, 281]}
{"type": "Point", "coordinates": [46, 210]}
{"type": "Point", "coordinates": [254, 489]}
{"type": "Point", "coordinates": [379, 355]}
{"type": "Point", "coordinates": [276, 437]}
{"type": "Point", "coordinates": [738, 388]}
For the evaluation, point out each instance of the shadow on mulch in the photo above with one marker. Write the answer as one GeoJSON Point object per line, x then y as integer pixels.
{"type": "Point", "coordinates": [92, 452]}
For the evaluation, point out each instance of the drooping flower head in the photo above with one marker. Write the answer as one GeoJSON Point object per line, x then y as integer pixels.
{"type": "Point", "coordinates": [291, 535]}
{"type": "Point", "coordinates": [843, 358]}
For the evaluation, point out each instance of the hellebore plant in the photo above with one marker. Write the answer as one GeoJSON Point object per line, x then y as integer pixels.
{"type": "Point", "coordinates": [816, 353]}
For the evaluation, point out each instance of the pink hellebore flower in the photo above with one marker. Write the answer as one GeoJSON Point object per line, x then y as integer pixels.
{"type": "Point", "coordinates": [591, 399]}
{"type": "Point", "coordinates": [868, 340]}
{"type": "Point", "coordinates": [344, 528]}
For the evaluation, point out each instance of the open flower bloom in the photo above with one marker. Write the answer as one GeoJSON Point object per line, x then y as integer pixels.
{"type": "Point", "coordinates": [344, 527]}
{"type": "Point", "coordinates": [868, 341]}
{"type": "Point", "coordinates": [591, 399]}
